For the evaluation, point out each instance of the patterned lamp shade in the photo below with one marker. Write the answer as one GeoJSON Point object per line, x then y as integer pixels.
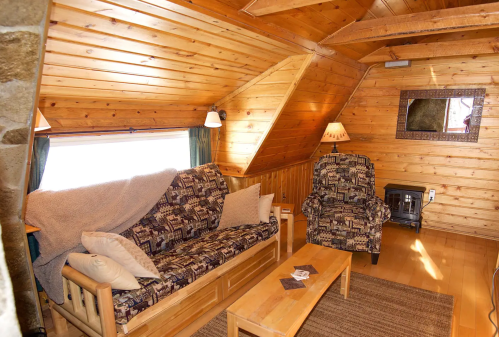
{"type": "Point", "coordinates": [335, 132]}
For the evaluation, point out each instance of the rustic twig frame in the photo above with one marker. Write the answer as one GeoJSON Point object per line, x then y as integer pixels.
{"type": "Point", "coordinates": [476, 114]}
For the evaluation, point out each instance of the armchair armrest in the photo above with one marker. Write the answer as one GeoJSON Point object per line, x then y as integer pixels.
{"type": "Point", "coordinates": [312, 206]}
{"type": "Point", "coordinates": [377, 211]}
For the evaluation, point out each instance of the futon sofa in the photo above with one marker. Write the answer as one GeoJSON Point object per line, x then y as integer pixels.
{"type": "Point", "coordinates": [199, 265]}
{"type": "Point", "coordinates": [343, 211]}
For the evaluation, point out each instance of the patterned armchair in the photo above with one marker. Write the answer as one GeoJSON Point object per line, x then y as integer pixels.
{"type": "Point", "coordinates": [343, 210]}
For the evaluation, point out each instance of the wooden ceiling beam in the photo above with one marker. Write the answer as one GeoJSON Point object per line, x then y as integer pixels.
{"type": "Point", "coordinates": [264, 7]}
{"type": "Point", "coordinates": [417, 24]}
{"type": "Point", "coordinates": [436, 49]}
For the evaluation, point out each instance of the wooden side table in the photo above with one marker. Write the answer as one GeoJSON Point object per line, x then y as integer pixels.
{"type": "Point", "coordinates": [287, 212]}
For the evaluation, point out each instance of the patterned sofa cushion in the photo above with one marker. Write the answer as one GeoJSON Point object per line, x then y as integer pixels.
{"type": "Point", "coordinates": [191, 207]}
{"type": "Point", "coordinates": [187, 262]}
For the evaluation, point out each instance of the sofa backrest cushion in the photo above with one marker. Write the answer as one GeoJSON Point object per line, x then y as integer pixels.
{"type": "Point", "coordinates": [190, 207]}
{"type": "Point", "coordinates": [344, 178]}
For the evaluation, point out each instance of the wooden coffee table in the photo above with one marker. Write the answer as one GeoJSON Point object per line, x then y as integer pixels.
{"type": "Point", "coordinates": [269, 310]}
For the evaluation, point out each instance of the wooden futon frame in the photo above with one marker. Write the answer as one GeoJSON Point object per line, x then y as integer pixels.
{"type": "Point", "coordinates": [170, 315]}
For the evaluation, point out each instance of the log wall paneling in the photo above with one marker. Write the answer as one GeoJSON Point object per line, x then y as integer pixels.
{"type": "Point", "coordinates": [323, 91]}
{"type": "Point", "coordinates": [464, 175]}
{"type": "Point", "coordinates": [291, 184]}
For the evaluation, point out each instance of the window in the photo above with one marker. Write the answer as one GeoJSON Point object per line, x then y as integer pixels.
{"type": "Point", "coordinates": [459, 113]}
{"type": "Point", "coordinates": [82, 161]}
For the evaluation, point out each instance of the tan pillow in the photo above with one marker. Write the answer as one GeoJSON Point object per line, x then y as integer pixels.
{"type": "Point", "coordinates": [241, 208]}
{"type": "Point", "coordinates": [103, 269]}
{"type": "Point", "coordinates": [121, 250]}
{"type": "Point", "coordinates": [265, 207]}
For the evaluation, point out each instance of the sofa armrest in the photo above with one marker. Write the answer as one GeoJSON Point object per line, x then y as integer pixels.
{"type": "Point", "coordinates": [312, 206]}
{"type": "Point", "coordinates": [377, 211]}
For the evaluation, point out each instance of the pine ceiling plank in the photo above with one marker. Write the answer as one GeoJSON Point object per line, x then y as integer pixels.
{"type": "Point", "coordinates": [128, 95]}
{"type": "Point", "coordinates": [335, 13]}
{"type": "Point", "coordinates": [350, 8]}
{"type": "Point", "coordinates": [264, 7]}
{"type": "Point", "coordinates": [298, 24]}
{"type": "Point", "coordinates": [54, 101]}
{"type": "Point", "coordinates": [157, 9]}
{"type": "Point", "coordinates": [105, 85]}
{"type": "Point", "coordinates": [74, 49]}
{"type": "Point", "coordinates": [55, 112]}
{"type": "Point", "coordinates": [81, 73]}
{"type": "Point", "coordinates": [436, 49]}
{"type": "Point", "coordinates": [398, 7]}
{"type": "Point", "coordinates": [82, 62]}
{"type": "Point", "coordinates": [434, 22]}
{"type": "Point", "coordinates": [118, 13]}
{"type": "Point", "coordinates": [378, 8]}
{"type": "Point", "coordinates": [62, 31]}
{"type": "Point", "coordinates": [138, 33]}
{"type": "Point", "coordinates": [224, 26]}
{"type": "Point", "coordinates": [222, 11]}
{"type": "Point", "coordinates": [257, 79]}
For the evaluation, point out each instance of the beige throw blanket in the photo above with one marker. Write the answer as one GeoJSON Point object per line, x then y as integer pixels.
{"type": "Point", "coordinates": [64, 215]}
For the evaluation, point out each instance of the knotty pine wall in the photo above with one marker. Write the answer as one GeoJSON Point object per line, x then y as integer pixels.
{"type": "Point", "coordinates": [251, 113]}
{"type": "Point", "coordinates": [464, 175]}
{"type": "Point", "coordinates": [321, 94]}
{"type": "Point", "coordinates": [291, 184]}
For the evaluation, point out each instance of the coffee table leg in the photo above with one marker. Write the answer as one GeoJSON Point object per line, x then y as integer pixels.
{"type": "Point", "coordinates": [345, 280]}
{"type": "Point", "coordinates": [232, 328]}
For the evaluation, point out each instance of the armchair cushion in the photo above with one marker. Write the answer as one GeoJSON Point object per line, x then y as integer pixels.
{"type": "Point", "coordinates": [377, 210]}
{"type": "Point", "coordinates": [312, 205]}
{"type": "Point", "coordinates": [347, 227]}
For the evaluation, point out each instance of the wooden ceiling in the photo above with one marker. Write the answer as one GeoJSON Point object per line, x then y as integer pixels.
{"type": "Point", "coordinates": [318, 21]}
{"type": "Point", "coordinates": [150, 51]}
{"type": "Point", "coordinates": [114, 64]}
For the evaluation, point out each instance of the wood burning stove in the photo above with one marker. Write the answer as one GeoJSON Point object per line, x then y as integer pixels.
{"type": "Point", "coordinates": [405, 203]}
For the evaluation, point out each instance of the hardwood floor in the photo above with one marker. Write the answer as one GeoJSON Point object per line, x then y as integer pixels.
{"type": "Point", "coordinates": [448, 263]}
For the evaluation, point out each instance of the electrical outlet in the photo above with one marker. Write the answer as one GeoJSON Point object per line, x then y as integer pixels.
{"type": "Point", "coordinates": [432, 195]}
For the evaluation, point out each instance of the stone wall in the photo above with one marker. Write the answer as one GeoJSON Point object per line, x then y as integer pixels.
{"type": "Point", "coordinates": [22, 36]}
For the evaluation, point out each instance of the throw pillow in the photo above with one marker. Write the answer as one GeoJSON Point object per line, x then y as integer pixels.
{"type": "Point", "coordinates": [241, 208]}
{"type": "Point", "coordinates": [121, 250]}
{"type": "Point", "coordinates": [265, 207]}
{"type": "Point", "coordinates": [103, 269]}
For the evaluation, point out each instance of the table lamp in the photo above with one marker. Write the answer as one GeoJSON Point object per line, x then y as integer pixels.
{"type": "Point", "coordinates": [335, 132]}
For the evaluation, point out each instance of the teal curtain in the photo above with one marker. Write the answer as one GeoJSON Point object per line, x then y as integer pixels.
{"type": "Point", "coordinates": [200, 146]}
{"type": "Point", "coordinates": [39, 156]}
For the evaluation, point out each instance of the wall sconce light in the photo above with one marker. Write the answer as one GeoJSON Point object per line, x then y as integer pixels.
{"type": "Point", "coordinates": [214, 119]}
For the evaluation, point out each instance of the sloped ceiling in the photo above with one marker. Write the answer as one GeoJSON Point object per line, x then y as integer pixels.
{"type": "Point", "coordinates": [318, 21]}
{"type": "Point", "coordinates": [326, 86]}
{"type": "Point", "coordinates": [145, 52]}
{"type": "Point", "coordinates": [114, 64]}
{"type": "Point", "coordinates": [253, 110]}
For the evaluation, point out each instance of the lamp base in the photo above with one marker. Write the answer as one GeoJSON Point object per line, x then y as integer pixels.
{"type": "Point", "coordinates": [335, 150]}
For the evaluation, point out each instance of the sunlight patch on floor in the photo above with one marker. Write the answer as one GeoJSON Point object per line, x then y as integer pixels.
{"type": "Point", "coordinates": [430, 266]}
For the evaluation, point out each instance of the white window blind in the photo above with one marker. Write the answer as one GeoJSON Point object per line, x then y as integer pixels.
{"type": "Point", "coordinates": [81, 161]}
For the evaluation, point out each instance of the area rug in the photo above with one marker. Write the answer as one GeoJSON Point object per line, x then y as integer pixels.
{"type": "Point", "coordinates": [375, 307]}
